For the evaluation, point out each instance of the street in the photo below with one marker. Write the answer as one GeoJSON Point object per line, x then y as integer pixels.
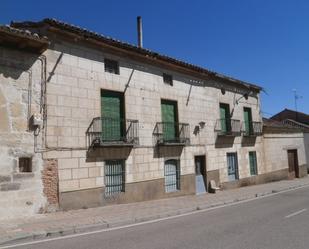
{"type": "Point", "coordinates": [279, 221]}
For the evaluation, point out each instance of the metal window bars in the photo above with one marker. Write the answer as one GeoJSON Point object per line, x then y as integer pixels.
{"type": "Point", "coordinates": [105, 131]}
{"type": "Point", "coordinates": [171, 133]}
{"type": "Point", "coordinates": [228, 127]}
{"type": "Point", "coordinates": [252, 128]}
{"type": "Point", "coordinates": [114, 177]}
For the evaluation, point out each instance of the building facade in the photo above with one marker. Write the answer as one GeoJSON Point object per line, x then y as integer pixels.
{"type": "Point", "coordinates": [123, 124]}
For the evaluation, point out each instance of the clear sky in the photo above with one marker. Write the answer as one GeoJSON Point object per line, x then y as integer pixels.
{"type": "Point", "coordinates": [265, 42]}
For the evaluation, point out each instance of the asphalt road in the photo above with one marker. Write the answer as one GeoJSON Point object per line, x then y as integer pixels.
{"type": "Point", "coordinates": [279, 222]}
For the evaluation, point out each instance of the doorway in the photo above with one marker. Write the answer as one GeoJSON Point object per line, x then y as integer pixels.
{"type": "Point", "coordinates": [200, 174]}
{"type": "Point", "coordinates": [232, 166]}
{"type": "Point", "coordinates": [293, 164]}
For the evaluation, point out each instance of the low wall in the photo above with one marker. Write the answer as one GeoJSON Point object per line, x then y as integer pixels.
{"type": "Point", "coordinates": [259, 179]}
{"type": "Point", "coordinates": [134, 192]}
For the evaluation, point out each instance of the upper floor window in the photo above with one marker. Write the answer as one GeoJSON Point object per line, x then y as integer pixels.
{"type": "Point", "coordinates": [111, 66]}
{"type": "Point", "coordinates": [168, 79]}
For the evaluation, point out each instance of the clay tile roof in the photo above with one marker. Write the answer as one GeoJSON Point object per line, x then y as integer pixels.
{"type": "Point", "coordinates": [124, 45]}
{"type": "Point", "coordinates": [22, 39]}
{"type": "Point", "coordinates": [22, 33]}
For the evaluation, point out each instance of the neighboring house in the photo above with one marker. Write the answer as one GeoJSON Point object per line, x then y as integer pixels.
{"type": "Point", "coordinates": [298, 120]}
{"type": "Point", "coordinates": [292, 115]}
{"type": "Point", "coordinates": [20, 96]}
{"type": "Point", "coordinates": [121, 123]}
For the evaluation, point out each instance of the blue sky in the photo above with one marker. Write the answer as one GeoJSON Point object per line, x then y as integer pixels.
{"type": "Point", "coordinates": [259, 41]}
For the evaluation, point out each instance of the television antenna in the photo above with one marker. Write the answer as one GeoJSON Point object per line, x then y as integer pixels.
{"type": "Point", "coordinates": [296, 97]}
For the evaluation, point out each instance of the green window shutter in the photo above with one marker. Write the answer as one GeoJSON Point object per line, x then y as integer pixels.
{"type": "Point", "coordinates": [225, 117]}
{"type": "Point", "coordinates": [112, 115]}
{"type": "Point", "coordinates": [168, 111]}
{"type": "Point", "coordinates": [248, 120]}
{"type": "Point", "coordinates": [253, 163]}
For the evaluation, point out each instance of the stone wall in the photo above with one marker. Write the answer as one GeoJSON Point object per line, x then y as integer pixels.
{"type": "Point", "coordinates": [73, 100]}
{"type": "Point", "coordinates": [20, 96]}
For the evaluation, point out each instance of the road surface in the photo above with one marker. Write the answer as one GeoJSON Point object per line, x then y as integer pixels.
{"type": "Point", "coordinates": [280, 222]}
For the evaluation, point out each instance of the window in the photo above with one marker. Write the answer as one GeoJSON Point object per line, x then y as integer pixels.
{"type": "Point", "coordinates": [225, 118]}
{"type": "Point", "coordinates": [114, 177]}
{"type": "Point", "coordinates": [248, 121]}
{"type": "Point", "coordinates": [168, 79]}
{"type": "Point", "coordinates": [253, 163]}
{"type": "Point", "coordinates": [169, 115]}
{"type": "Point", "coordinates": [111, 66]}
{"type": "Point", "coordinates": [172, 175]}
{"type": "Point", "coordinates": [112, 116]}
{"type": "Point", "coordinates": [25, 164]}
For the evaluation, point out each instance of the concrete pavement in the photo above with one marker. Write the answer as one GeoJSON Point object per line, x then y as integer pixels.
{"type": "Point", "coordinates": [64, 223]}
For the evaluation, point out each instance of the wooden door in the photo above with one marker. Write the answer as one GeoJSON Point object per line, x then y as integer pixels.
{"type": "Point", "coordinates": [232, 166]}
{"type": "Point", "coordinates": [293, 164]}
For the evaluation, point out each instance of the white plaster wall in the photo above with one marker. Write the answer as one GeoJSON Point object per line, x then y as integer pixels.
{"type": "Point", "coordinates": [306, 141]}
{"type": "Point", "coordinates": [276, 147]}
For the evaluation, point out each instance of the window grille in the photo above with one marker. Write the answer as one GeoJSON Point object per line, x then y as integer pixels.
{"type": "Point", "coordinates": [172, 175]}
{"type": "Point", "coordinates": [114, 177]}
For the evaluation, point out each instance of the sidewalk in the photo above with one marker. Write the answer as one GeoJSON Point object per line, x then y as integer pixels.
{"type": "Point", "coordinates": [63, 223]}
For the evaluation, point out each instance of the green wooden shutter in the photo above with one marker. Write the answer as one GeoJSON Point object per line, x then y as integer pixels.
{"type": "Point", "coordinates": [248, 120]}
{"type": "Point", "coordinates": [253, 163]}
{"type": "Point", "coordinates": [225, 117]}
{"type": "Point", "coordinates": [168, 111]}
{"type": "Point", "coordinates": [112, 115]}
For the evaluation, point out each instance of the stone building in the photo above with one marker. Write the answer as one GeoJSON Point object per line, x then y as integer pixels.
{"type": "Point", "coordinates": [121, 123]}
{"type": "Point", "coordinates": [298, 120]}
{"type": "Point", "coordinates": [21, 65]}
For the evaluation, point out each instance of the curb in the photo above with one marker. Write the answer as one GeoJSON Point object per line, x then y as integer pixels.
{"type": "Point", "coordinates": [61, 232]}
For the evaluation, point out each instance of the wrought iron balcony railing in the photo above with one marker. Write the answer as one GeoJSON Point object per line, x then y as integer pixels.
{"type": "Point", "coordinates": [252, 129]}
{"type": "Point", "coordinates": [228, 127]}
{"type": "Point", "coordinates": [104, 131]}
{"type": "Point", "coordinates": [170, 133]}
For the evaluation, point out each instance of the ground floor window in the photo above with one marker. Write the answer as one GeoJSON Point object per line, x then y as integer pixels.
{"type": "Point", "coordinates": [253, 163]}
{"type": "Point", "coordinates": [172, 175]}
{"type": "Point", "coordinates": [114, 177]}
{"type": "Point", "coordinates": [232, 166]}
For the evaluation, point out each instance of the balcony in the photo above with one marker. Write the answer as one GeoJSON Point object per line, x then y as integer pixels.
{"type": "Point", "coordinates": [170, 133]}
{"type": "Point", "coordinates": [228, 127]}
{"type": "Point", "coordinates": [107, 132]}
{"type": "Point", "coordinates": [252, 129]}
